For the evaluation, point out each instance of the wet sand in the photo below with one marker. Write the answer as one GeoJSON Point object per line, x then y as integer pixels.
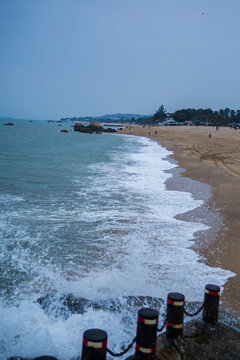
{"type": "Point", "coordinates": [214, 161]}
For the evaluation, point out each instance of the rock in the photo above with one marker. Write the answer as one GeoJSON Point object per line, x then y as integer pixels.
{"type": "Point", "coordinates": [86, 129]}
{"type": "Point", "coordinates": [68, 303]}
{"type": "Point", "coordinates": [78, 126]}
{"type": "Point", "coordinates": [94, 126]}
{"type": "Point", "coordinates": [110, 130]}
{"type": "Point", "coordinates": [9, 124]}
{"type": "Point", "coordinates": [64, 131]}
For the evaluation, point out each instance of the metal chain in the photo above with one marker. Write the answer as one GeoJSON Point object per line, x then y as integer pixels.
{"type": "Point", "coordinates": [122, 352]}
{"type": "Point", "coordinates": [194, 314]}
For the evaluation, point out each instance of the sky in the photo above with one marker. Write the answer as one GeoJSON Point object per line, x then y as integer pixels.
{"type": "Point", "coordinates": [62, 58]}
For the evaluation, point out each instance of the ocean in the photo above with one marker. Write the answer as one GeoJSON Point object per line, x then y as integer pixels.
{"type": "Point", "coordinates": [88, 217]}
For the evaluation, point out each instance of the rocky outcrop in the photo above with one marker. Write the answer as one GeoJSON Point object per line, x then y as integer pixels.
{"type": "Point", "coordinates": [9, 124]}
{"type": "Point", "coordinates": [64, 131]}
{"type": "Point", "coordinates": [93, 127]}
{"type": "Point", "coordinates": [69, 304]}
{"type": "Point", "coordinates": [78, 126]}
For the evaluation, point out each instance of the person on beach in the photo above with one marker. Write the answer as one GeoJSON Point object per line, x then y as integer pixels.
{"type": "Point", "coordinates": [209, 135]}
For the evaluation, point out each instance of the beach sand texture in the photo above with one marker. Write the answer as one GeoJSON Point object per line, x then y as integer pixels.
{"type": "Point", "coordinates": [213, 160]}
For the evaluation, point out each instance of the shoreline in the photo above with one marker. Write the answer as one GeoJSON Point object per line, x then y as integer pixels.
{"type": "Point", "coordinates": [204, 169]}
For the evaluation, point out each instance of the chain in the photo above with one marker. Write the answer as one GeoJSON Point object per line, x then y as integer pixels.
{"type": "Point", "coordinates": [124, 350]}
{"type": "Point", "coordinates": [194, 314]}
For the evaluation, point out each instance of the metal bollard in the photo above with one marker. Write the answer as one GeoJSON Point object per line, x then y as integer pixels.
{"type": "Point", "coordinates": [94, 345]}
{"type": "Point", "coordinates": [211, 304]}
{"type": "Point", "coordinates": [175, 312]}
{"type": "Point", "coordinates": [146, 333]}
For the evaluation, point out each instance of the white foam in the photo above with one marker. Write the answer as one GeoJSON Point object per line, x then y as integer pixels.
{"type": "Point", "coordinates": [28, 332]}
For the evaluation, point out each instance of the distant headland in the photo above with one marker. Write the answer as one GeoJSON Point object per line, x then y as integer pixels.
{"type": "Point", "coordinates": [222, 117]}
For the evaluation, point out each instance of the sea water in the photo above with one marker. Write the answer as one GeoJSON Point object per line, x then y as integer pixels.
{"type": "Point", "coordinates": [88, 215]}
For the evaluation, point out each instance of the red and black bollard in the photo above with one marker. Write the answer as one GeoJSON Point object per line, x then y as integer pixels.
{"type": "Point", "coordinates": [175, 312]}
{"type": "Point", "coordinates": [146, 333]}
{"type": "Point", "coordinates": [211, 304]}
{"type": "Point", "coordinates": [94, 345]}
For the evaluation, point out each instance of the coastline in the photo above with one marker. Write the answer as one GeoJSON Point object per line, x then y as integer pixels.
{"type": "Point", "coordinates": [208, 168]}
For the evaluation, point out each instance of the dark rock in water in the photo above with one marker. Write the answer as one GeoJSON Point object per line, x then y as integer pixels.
{"type": "Point", "coordinates": [110, 130]}
{"type": "Point", "coordinates": [94, 126]}
{"type": "Point", "coordinates": [75, 305]}
{"type": "Point", "coordinates": [87, 130]}
{"type": "Point", "coordinates": [64, 131]}
{"type": "Point", "coordinates": [9, 124]}
{"type": "Point", "coordinates": [66, 305]}
{"type": "Point", "coordinates": [78, 126]}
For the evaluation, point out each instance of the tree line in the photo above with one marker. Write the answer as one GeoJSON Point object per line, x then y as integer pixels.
{"type": "Point", "coordinates": [222, 117]}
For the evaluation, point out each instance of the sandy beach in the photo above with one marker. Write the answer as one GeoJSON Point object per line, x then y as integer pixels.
{"type": "Point", "coordinates": [213, 160]}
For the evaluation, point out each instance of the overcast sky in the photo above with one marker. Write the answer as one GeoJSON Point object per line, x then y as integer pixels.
{"type": "Point", "coordinates": [90, 57]}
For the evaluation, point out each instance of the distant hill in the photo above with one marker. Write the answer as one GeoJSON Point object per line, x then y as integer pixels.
{"type": "Point", "coordinates": [108, 118]}
{"type": "Point", "coordinates": [121, 116]}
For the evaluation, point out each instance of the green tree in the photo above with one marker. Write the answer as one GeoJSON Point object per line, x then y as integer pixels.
{"type": "Point", "coordinates": [226, 113]}
{"type": "Point", "coordinates": [160, 115]}
{"type": "Point", "coordinates": [232, 112]}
